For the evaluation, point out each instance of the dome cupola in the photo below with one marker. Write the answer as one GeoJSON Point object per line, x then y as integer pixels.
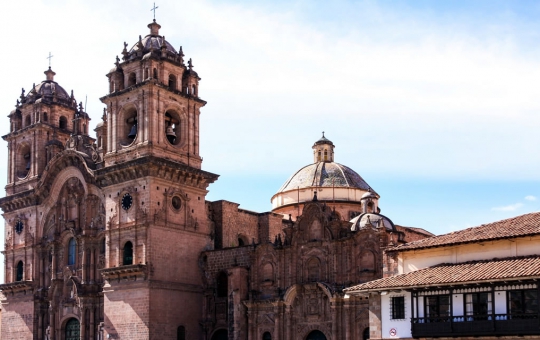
{"type": "Point", "coordinates": [332, 183]}
{"type": "Point", "coordinates": [323, 150]}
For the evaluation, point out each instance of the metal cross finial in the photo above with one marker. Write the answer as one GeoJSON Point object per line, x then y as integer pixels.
{"type": "Point", "coordinates": [49, 57]}
{"type": "Point", "coordinates": [154, 9]}
{"type": "Point", "coordinates": [323, 133]}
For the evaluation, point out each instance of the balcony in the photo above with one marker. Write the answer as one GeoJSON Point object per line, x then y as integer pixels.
{"type": "Point", "coordinates": [478, 325]}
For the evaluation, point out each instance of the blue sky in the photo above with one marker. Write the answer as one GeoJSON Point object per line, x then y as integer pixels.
{"type": "Point", "coordinates": [434, 103]}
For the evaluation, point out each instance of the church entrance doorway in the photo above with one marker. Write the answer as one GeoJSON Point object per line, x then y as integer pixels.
{"type": "Point", "coordinates": [316, 335]}
{"type": "Point", "coordinates": [73, 329]}
{"type": "Point", "coordinates": [222, 334]}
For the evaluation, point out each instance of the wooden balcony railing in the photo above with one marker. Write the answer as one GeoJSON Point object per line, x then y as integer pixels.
{"type": "Point", "coordinates": [477, 325]}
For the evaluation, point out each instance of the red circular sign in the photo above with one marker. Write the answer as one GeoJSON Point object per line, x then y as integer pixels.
{"type": "Point", "coordinates": [393, 332]}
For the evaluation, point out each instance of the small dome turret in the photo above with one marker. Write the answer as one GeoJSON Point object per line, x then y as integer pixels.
{"type": "Point", "coordinates": [323, 150]}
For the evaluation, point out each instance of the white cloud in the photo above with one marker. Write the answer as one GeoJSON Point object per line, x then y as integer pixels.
{"type": "Point", "coordinates": [530, 198]}
{"type": "Point", "coordinates": [511, 207]}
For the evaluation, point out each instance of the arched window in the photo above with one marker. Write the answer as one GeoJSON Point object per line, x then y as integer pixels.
{"type": "Point", "coordinates": [172, 127]}
{"type": "Point", "coordinates": [128, 254]}
{"type": "Point", "coordinates": [194, 90]}
{"type": "Point", "coordinates": [181, 333]}
{"type": "Point", "coordinates": [172, 82]}
{"type": "Point", "coordinates": [267, 336]}
{"type": "Point", "coordinates": [24, 161]}
{"type": "Point", "coordinates": [45, 117]}
{"type": "Point", "coordinates": [132, 79]}
{"type": "Point", "coordinates": [242, 240]}
{"type": "Point", "coordinates": [102, 246]}
{"type": "Point", "coordinates": [62, 124]}
{"type": "Point", "coordinates": [365, 334]}
{"type": "Point", "coordinates": [222, 284]}
{"type": "Point", "coordinates": [71, 251]}
{"type": "Point", "coordinates": [318, 156]}
{"type": "Point", "coordinates": [130, 127]}
{"type": "Point", "coordinates": [27, 121]}
{"type": "Point", "coordinates": [316, 335]}
{"type": "Point", "coordinates": [20, 271]}
{"type": "Point", "coordinates": [73, 330]}
{"type": "Point", "coordinates": [155, 73]}
{"type": "Point", "coordinates": [325, 155]}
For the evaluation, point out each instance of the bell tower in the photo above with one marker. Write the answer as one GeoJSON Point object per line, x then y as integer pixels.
{"type": "Point", "coordinates": [41, 124]}
{"type": "Point", "coordinates": [155, 190]}
{"type": "Point", "coordinates": [153, 105]}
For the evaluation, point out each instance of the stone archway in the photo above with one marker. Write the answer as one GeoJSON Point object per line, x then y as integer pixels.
{"type": "Point", "coordinates": [316, 335]}
{"type": "Point", "coordinates": [72, 330]}
{"type": "Point", "coordinates": [221, 334]}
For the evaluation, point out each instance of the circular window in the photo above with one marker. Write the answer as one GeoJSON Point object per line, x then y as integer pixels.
{"type": "Point", "coordinates": [176, 202]}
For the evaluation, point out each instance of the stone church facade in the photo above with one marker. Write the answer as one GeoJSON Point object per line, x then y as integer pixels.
{"type": "Point", "coordinates": [111, 237]}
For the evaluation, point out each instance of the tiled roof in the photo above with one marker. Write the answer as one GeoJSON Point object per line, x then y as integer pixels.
{"type": "Point", "coordinates": [511, 268]}
{"type": "Point", "coordinates": [524, 225]}
{"type": "Point", "coordinates": [417, 230]}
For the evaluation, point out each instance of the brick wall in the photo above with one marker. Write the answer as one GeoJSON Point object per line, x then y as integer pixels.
{"type": "Point", "coordinates": [18, 319]}
{"type": "Point", "coordinates": [218, 260]}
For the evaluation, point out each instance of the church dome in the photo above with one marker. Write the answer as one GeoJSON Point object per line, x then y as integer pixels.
{"type": "Point", "coordinates": [325, 174]}
{"type": "Point", "coordinates": [324, 180]}
{"type": "Point", "coordinates": [48, 89]}
{"type": "Point", "coordinates": [372, 220]}
{"type": "Point", "coordinates": [152, 41]}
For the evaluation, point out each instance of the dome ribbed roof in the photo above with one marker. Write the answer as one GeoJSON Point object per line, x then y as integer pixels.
{"type": "Point", "coordinates": [373, 220]}
{"type": "Point", "coordinates": [49, 88]}
{"type": "Point", "coordinates": [325, 174]}
{"type": "Point", "coordinates": [153, 42]}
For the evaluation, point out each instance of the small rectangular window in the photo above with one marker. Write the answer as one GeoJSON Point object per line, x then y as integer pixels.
{"type": "Point", "coordinates": [397, 304]}
{"type": "Point", "coordinates": [523, 303]}
{"type": "Point", "coordinates": [478, 306]}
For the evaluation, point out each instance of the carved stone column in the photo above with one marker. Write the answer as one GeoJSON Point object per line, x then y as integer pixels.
{"type": "Point", "coordinates": [288, 323]}
{"type": "Point", "coordinates": [84, 311]}
{"type": "Point", "coordinates": [334, 306]}
{"type": "Point", "coordinates": [84, 262]}
{"type": "Point", "coordinates": [92, 265]}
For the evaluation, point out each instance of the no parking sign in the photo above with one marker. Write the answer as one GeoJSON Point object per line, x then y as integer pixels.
{"type": "Point", "coordinates": [393, 332]}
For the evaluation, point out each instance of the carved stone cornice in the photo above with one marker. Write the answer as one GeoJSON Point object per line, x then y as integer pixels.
{"type": "Point", "coordinates": [130, 272]}
{"type": "Point", "coordinates": [18, 201]}
{"type": "Point", "coordinates": [154, 166]}
{"type": "Point", "coordinates": [17, 287]}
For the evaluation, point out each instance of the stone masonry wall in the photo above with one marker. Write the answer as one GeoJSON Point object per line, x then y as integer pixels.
{"type": "Point", "coordinates": [217, 260]}
{"type": "Point", "coordinates": [18, 319]}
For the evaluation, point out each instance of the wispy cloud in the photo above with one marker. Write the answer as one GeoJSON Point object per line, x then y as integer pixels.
{"type": "Point", "coordinates": [530, 198]}
{"type": "Point", "coordinates": [511, 207]}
